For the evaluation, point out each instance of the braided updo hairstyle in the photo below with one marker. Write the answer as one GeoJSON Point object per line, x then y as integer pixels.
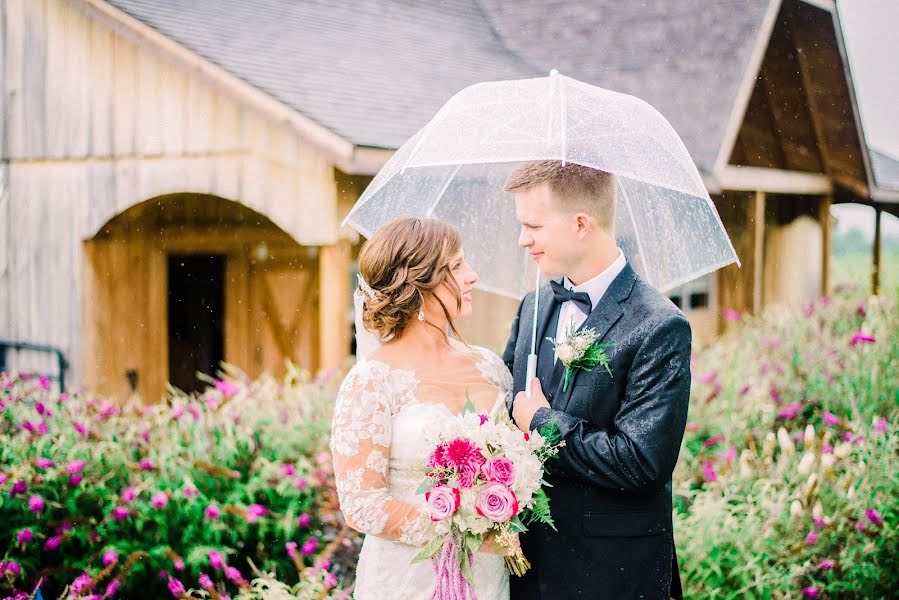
{"type": "Point", "coordinates": [402, 262]}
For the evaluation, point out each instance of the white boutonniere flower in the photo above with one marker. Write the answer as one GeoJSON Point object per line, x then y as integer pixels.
{"type": "Point", "coordinates": [580, 350]}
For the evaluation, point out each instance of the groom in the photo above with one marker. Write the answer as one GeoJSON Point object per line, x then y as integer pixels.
{"type": "Point", "coordinates": [611, 485]}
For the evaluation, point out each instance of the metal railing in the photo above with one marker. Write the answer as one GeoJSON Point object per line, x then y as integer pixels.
{"type": "Point", "coordinates": [61, 362]}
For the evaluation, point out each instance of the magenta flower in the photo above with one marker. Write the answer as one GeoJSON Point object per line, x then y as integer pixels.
{"type": "Point", "coordinates": [109, 557]}
{"type": "Point", "coordinates": [861, 338]}
{"type": "Point", "coordinates": [53, 542]}
{"type": "Point", "coordinates": [731, 314]}
{"type": "Point", "coordinates": [194, 411]}
{"type": "Point", "coordinates": [464, 456]}
{"type": "Point", "coordinates": [129, 494]}
{"type": "Point", "coordinates": [484, 419]}
{"type": "Point", "coordinates": [42, 428]}
{"type": "Point", "coordinates": [300, 483]}
{"type": "Point", "coordinates": [731, 454]}
{"type": "Point", "coordinates": [874, 516]}
{"type": "Point", "coordinates": [233, 574]}
{"type": "Point", "coordinates": [75, 479]}
{"type": "Point", "coordinates": [19, 487]}
{"type": "Point", "coordinates": [811, 591]}
{"type": "Point", "coordinates": [80, 428]}
{"type": "Point", "coordinates": [826, 449]}
{"type": "Point", "coordinates": [880, 425]}
{"type": "Point", "coordinates": [43, 382]}
{"type": "Point", "coordinates": [11, 567]}
{"type": "Point", "coordinates": [212, 512]}
{"type": "Point", "coordinates": [708, 472]}
{"type": "Point", "coordinates": [790, 412]}
{"type": "Point", "coordinates": [330, 580]}
{"type": "Point", "coordinates": [819, 522]}
{"type": "Point", "coordinates": [288, 469]}
{"type": "Point", "coordinates": [42, 409]}
{"type": "Point", "coordinates": [860, 525]}
{"type": "Point", "coordinates": [322, 563]}
{"type": "Point", "coordinates": [120, 513]}
{"type": "Point", "coordinates": [291, 548]}
{"type": "Point", "coordinates": [190, 492]}
{"type": "Point", "coordinates": [28, 426]}
{"type": "Point", "coordinates": [76, 466]}
{"type": "Point", "coordinates": [176, 588]}
{"type": "Point", "coordinates": [254, 511]}
{"type": "Point", "coordinates": [860, 310]}
{"type": "Point", "coordinates": [713, 441]}
{"type": "Point", "coordinates": [216, 560]}
{"type": "Point", "coordinates": [744, 390]}
{"type": "Point", "coordinates": [81, 583]}
{"type": "Point", "coordinates": [812, 538]}
{"type": "Point", "coordinates": [3, 479]}
{"type": "Point", "coordinates": [159, 500]}
{"type": "Point", "coordinates": [24, 536]}
{"type": "Point", "coordinates": [43, 463]}
{"type": "Point", "coordinates": [708, 378]}
{"type": "Point", "coordinates": [226, 387]}
{"type": "Point", "coordinates": [304, 520]}
{"type": "Point", "coordinates": [826, 564]}
{"type": "Point", "coordinates": [206, 582]}
{"type": "Point", "coordinates": [112, 588]}
{"type": "Point", "coordinates": [36, 504]}
{"type": "Point", "coordinates": [146, 464]}
{"type": "Point", "coordinates": [830, 418]}
{"type": "Point", "coordinates": [309, 546]}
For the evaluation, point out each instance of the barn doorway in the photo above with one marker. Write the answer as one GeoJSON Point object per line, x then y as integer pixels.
{"type": "Point", "coordinates": [196, 319]}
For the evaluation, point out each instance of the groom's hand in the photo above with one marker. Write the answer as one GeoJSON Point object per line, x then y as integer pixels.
{"type": "Point", "coordinates": [526, 405]}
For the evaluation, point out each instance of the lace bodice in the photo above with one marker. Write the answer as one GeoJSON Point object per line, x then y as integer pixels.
{"type": "Point", "coordinates": [382, 417]}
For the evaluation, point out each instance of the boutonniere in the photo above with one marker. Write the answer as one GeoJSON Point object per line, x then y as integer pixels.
{"type": "Point", "coordinates": [580, 350]}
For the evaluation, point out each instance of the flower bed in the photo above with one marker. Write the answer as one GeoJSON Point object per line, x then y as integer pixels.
{"type": "Point", "coordinates": [787, 482]}
{"type": "Point", "coordinates": [221, 495]}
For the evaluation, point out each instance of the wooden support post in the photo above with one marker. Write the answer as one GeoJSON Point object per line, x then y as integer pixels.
{"type": "Point", "coordinates": [824, 218]}
{"type": "Point", "coordinates": [758, 249]}
{"type": "Point", "coordinates": [875, 271]}
{"type": "Point", "coordinates": [334, 271]}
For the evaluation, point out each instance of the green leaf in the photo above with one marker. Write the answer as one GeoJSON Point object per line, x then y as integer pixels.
{"type": "Point", "coordinates": [517, 526]}
{"type": "Point", "coordinates": [432, 548]}
{"type": "Point", "coordinates": [469, 405]}
{"type": "Point", "coordinates": [425, 486]}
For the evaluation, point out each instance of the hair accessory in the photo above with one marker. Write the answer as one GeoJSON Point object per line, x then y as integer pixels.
{"type": "Point", "coordinates": [366, 289]}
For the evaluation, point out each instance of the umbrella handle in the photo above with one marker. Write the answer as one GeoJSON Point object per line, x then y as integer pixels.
{"type": "Point", "coordinates": [532, 372]}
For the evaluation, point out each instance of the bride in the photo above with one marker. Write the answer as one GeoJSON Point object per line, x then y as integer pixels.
{"type": "Point", "coordinates": [416, 283]}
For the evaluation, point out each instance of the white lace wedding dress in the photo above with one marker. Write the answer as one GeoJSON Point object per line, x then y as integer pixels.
{"type": "Point", "coordinates": [381, 419]}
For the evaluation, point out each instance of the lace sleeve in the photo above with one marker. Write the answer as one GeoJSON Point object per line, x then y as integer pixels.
{"type": "Point", "coordinates": [360, 444]}
{"type": "Point", "coordinates": [494, 370]}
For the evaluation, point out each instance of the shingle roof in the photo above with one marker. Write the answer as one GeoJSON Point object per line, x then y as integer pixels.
{"type": "Point", "coordinates": [372, 71]}
{"type": "Point", "coordinates": [885, 169]}
{"type": "Point", "coordinates": [685, 58]}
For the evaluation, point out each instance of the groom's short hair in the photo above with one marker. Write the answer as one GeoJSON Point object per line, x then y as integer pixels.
{"type": "Point", "coordinates": [576, 187]}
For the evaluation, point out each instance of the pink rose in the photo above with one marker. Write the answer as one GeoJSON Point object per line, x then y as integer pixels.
{"type": "Point", "coordinates": [496, 502]}
{"type": "Point", "coordinates": [499, 469]}
{"type": "Point", "coordinates": [442, 502]}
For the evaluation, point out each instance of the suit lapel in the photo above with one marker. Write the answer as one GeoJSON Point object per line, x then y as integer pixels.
{"type": "Point", "coordinates": [601, 320]}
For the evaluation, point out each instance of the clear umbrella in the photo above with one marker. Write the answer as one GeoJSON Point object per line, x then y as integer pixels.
{"type": "Point", "coordinates": [454, 168]}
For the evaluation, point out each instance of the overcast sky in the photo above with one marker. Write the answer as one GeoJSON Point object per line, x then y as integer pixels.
{"type": "Point", "coordinates": [871, 29]}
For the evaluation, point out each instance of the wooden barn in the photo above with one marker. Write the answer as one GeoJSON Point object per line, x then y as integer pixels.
{"type": "Point", "coordinates": [173, 173]}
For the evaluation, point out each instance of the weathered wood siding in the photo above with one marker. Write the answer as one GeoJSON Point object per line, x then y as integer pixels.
{"type": "Point", "coordinates": [95, 124]}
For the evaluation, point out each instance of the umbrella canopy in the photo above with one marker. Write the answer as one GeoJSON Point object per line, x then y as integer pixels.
{"type": "Point", "coordinates": [454, 168]}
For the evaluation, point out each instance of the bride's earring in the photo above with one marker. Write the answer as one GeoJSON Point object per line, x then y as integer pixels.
{"type": "Point", "coordinates": [421, 310]}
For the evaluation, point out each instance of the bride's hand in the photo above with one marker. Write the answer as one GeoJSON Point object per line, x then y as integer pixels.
{"type": "Point", "coordinates": [490, 546]}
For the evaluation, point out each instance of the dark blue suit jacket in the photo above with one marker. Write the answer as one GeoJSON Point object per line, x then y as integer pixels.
{"type": "Point", "coordinates": [611, 484]}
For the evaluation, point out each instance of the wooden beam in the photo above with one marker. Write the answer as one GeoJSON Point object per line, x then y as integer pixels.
{"type": "Point", "coordinates": [758, 250]}
{"type": "Point", "coordinates": [824, 218]}
{"type": "Point", "coordinates": [334, 271]}
{"type": "Point", "coordinates": [875, 271]}
{"type": "Point", "coordinates": [777, 181]}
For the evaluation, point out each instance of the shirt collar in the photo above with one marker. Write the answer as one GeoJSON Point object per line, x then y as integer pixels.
{"type": "Point", "coordinates": [597, 286]}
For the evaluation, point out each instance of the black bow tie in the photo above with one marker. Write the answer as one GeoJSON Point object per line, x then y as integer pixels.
{"type": "Point", "coordinates": [581, 299]}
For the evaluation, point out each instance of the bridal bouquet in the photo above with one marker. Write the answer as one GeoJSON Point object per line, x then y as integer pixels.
{"type": "Point", "coordinates": [484, 476]}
